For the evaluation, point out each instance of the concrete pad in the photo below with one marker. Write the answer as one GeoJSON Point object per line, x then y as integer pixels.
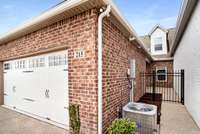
{"type": "Point", "coordinates": [176, 120]}
{"type": "Point", "coordinates": [15, 123]}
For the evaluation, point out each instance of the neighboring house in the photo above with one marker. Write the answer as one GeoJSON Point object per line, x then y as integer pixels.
{"type": "Point", "coordinates": [57, 59]}
{"type": "Point", "coordinates": [186, 53]}
{"type": "Point", "coordinates": [158, 42]}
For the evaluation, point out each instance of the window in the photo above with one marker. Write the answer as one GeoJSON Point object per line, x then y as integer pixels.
{"type": "Point", "coordinates": [158, 44]}
{"type": "Point", "coordinates": [57, 60]}
{"type": "Point", "coordinates": [37, 62]}
{"type": "Point", "coordinates": [161, 74]}
{"type": "Point", "coordinates": [20, 64]}
{"type": "Point", "coordinates": [7, 66]}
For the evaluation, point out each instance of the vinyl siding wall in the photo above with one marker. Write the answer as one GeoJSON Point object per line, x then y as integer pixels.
{"type": "Point", "coordinates": [187, 57]}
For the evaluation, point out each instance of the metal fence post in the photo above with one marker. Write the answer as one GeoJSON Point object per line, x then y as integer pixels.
{"type": "Point", "coordinates": [182, 86]}
{"type": "Point", "coordinates": [154, 85]}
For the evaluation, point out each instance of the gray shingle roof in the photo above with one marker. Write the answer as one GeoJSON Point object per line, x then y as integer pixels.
{"type": "Point", "coordinates": [147, 42]}
{"type": "Point", "coordinates": [170, 36]}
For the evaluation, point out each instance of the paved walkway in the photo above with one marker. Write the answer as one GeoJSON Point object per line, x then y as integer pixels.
{"type": "Point", "coordinates": [176, 120]}
{"type": "Point", "coordinates": [14, 123]}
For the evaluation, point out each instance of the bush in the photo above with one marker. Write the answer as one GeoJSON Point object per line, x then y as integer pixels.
{"type": "Point", "coordinates": [123, 126]}
{"type": "Point", "coordinates": [74, 118]}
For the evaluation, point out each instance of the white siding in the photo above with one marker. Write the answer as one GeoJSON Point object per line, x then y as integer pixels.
{"type": "Point", "coordinates": [187, 57]}
{"type": "Point", "coordinates": [159, 33]}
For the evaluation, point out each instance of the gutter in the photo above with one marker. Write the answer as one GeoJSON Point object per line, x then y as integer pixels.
{"type": "Point", "coordinates": [186, 11]}
{"type": "Point", "coordinates": [100, 64]}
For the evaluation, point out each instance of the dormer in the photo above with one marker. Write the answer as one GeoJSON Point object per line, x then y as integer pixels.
{"type": "Point", "coordinates": [158, 41]}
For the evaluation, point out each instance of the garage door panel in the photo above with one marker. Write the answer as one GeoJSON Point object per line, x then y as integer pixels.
{"type": "Point", "coordinates": [9, 100]}
{"type": "Point", "coordinates": [33, 87]}
{"type": "Point", "coordinates": [59, 113]}
{"type": "Point", "coordinates": [10, 89]}
{"type": "Point", "coordinates": [59, 90]}
{"type": "Point", "coordinates": [58, 93]}
{"type": "Point", "coordinates": [27, 105]}
{"type": "Point", "coordinates": [32, 78]}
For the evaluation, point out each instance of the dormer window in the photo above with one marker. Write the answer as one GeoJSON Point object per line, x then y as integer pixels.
{"type": "Point", "coordinates": [158, 44]}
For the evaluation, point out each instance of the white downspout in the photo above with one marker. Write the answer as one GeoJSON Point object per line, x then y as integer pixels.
{"type": "Point", "coordinates": [100, 70]}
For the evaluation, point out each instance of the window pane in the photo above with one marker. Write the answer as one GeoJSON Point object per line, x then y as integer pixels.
{"type": "Point", "coordinates": [158, 40]}
{"type": "Point", "coordinates": [158, 43]}
{"type": "Point", "coordinates": [57, 60]}
{"type": "Point", "coordinates": [37, 62]}
{"type": "Point", "coordinates": [158, 47]}
{"type": "Point", "coordinates": [163, 71]}
{"type": "Point", "coordinates": [7, 66]}
{"type": "Point", "coordinates": [161, 75]}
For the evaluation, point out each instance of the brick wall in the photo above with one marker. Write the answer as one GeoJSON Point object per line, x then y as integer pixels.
{"type": "Point", "coordinates": [77, 32]}
{"type": "Point", "coordinates": [169, 66]}
{"type": "Point", "coordinates": [117, 50]}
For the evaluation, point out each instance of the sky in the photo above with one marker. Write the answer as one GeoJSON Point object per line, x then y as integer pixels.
{"type": "Point", "coordinates": [15, 12]}
{"type": "Point", "coordinates": [143, 15]}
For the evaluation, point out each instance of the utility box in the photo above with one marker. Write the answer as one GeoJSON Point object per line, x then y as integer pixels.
{"type": "Point", "coordinates": [132, 68]}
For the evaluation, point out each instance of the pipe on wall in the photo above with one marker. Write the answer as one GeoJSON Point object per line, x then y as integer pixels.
{"type": "Point", "coordinates": [100, 70]}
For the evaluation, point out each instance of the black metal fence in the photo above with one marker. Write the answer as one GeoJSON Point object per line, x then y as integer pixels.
{"type": "Point", "coordinates": [170, 85]}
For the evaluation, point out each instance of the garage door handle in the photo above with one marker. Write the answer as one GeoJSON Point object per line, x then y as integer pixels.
{"type": "Point", "coordinates": [65, 69]}
{"type": "Point", "coordinates": [27, 99]}
{"type": "Point", "coordinates": [14, 88]}
{"type": "Point", "coordinates": [27, 71]}
{"type": "Point", "coordinates": [5, 94]}
{"type": "Point", "coordinates": [66, 107]}
{"type": "Point", "coordinates": [47, 93]}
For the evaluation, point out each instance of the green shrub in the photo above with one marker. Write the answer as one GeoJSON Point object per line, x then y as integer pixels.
{"type": "Point", "coordinates": [123, 126]}
{"type": "Point", "coordinates": [74, 118]}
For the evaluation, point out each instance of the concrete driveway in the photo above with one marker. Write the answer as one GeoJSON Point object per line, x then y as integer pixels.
{"type": "Point", "coordinates": [15, 123]}
{"type": "Point", "coordinates": [176, 120]}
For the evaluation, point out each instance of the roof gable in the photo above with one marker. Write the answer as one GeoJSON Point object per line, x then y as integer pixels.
{"type": "Point", "coordinates": [157, 27]}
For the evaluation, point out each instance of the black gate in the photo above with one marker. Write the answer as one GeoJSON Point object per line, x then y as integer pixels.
{"type": "Point", "coordinates": [169, 85]}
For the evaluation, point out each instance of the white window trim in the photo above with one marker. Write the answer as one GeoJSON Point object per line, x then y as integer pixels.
{"type": "Point", "coordinates": [161, 68]}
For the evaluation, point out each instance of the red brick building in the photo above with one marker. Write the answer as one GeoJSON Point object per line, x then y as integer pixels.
{"type": "Point", "coordinates": [67, 38]}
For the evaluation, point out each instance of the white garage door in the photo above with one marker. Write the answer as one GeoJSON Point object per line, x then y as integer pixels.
{"type": "Point", "coordinates": [39, 85]}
